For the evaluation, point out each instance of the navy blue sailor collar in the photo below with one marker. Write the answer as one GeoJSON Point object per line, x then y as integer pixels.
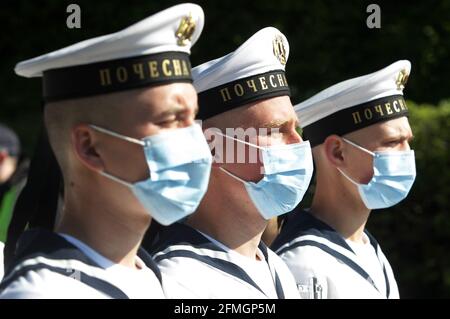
{"type": "Point", "coordinates": [302, 223]}
{"type": "Point", "coordinates": [38, 243]}
{"type": "Point", "coordinates": [180, 235]}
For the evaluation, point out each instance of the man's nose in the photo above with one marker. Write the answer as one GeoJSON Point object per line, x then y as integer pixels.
{"type": "Point", "coordinates": [293, 137]}
{"type": "Point", "coordinates": [404, 146]}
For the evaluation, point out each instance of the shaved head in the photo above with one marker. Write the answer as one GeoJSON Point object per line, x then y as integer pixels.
{"type": "Point", "coordinates": [61, 117]}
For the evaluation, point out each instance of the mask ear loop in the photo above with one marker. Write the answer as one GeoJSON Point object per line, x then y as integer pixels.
{"type": "Point", "coordinates": [360, 148]}
{"type": "Point", "coordinates": [122, 137]}
{"type": "Point", "coordinates": [244, 142]}
{"type": "Point", "coordinates": [116, 179]}
{"type": "Point", "coordinates": [238, 140]}
{"type": "Point", "coordinates": [346, 176]}
{"type": "Point", "coordinates": [232, 175]}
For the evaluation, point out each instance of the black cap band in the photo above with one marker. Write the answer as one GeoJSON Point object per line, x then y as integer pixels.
{"type": "Point", "coordinates": [116, 75]}
{"type": "Point", "coordinates": [355, 118]}
{"type": "Point", "coordinates": [243, 91]}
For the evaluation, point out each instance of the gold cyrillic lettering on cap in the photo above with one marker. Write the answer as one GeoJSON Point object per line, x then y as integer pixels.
{"type": "Point", "coordinates": [105, 77]}
{"type": "Point", "coordinates": [138, 69]}
{"type": "Point", "coordinates": [388, 108]}
{"type": "Point", "coordinates": [121, 74]}
{"type": "Point", "coordinates": [165, 67]}
{"type": "Point", "coordinates": [262, 80]}
{"type": "Point", "coordinates": [272, 80]}
{"type": "Point", "coordinates": [356, 117]}
{"type": "Point", "coordinates": [280, 79]}
{"type": "Point", "coordinates": [251, 84]}
{"type": "Point", "coordinates": [225, 94]}
{"type": "Point", "coordinates": [153, 67]}
{"type": "Point", "coordinates": [379, 110]}
{"type": "Point", "coordinates": [395, 106]}
{"type": "Point", "coordinates": [238, 89]}
{"type": "Point", "coordinates": [176, 67]}
{"type": "Point", "coordinates": [285, 80]}
{"type": "Point", "coordinates": [403, 105]}
{"type": "Point", "coordinates": [185, 68]}
{"type": "Point", "coordinates": [368, 113]}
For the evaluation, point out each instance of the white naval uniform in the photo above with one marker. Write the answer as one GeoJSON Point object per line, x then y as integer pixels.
{"type": "Point", "coordinates": [55, 266]}
{"type": "Point", "coordinates": [201, 267]}
{"type": "Point", "coordinates": [326, 266]}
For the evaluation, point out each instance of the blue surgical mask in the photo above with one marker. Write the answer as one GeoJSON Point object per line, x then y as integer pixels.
{"type": "Point", "coordinates": [393, 176]}
{"type": "Point", "coordinates": [287, 172]}
{"type": "Point", "coordinates": [179, 163]}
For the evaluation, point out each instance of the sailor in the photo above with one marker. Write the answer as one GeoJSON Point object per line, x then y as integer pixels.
{"type": "Point", "coordinates": [261, 169]}
{"type": "Point", "coordinates": [120, 114]}
{"type": "Point", "coordinates": [360, 136]}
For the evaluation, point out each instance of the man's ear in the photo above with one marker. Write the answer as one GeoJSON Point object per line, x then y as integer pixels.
{"type": "Point", "coordinates": [333, 147]}
{"type": "Point", "coordinates": [85, 143]}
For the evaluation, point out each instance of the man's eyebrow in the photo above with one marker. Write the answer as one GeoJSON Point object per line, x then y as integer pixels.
{"type": "Point", "coordinates": [399, 136]}
{"type": "Point", "coordinates": [171, 111]}
{"type": "Point", "coordinates": [275, 124]}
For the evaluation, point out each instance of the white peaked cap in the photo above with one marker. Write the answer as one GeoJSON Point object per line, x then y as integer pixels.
{"type": "Point", "coordinates": [355, 103]}
{"type": "Point", "coordinates": [254, 56]}
{"type": "Point", "coordinates": [254, 71]}
{"type": "Point", "coordinates": [152, 35]}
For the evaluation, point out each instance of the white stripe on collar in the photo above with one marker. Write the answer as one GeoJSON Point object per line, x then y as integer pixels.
{"type": "Point", "coordinates": [70, 265]}
{"type": "Point", "coordinates": [259, 253]}
{"type": "Point", "coordinates": [324, 241]}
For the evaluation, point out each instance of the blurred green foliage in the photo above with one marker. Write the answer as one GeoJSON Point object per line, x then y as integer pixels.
{"type": "Point", "coordinates": [329, 42]}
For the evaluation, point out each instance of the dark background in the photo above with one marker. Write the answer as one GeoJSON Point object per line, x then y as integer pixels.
{"type": "Point", "coordinates": [329, 42]}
